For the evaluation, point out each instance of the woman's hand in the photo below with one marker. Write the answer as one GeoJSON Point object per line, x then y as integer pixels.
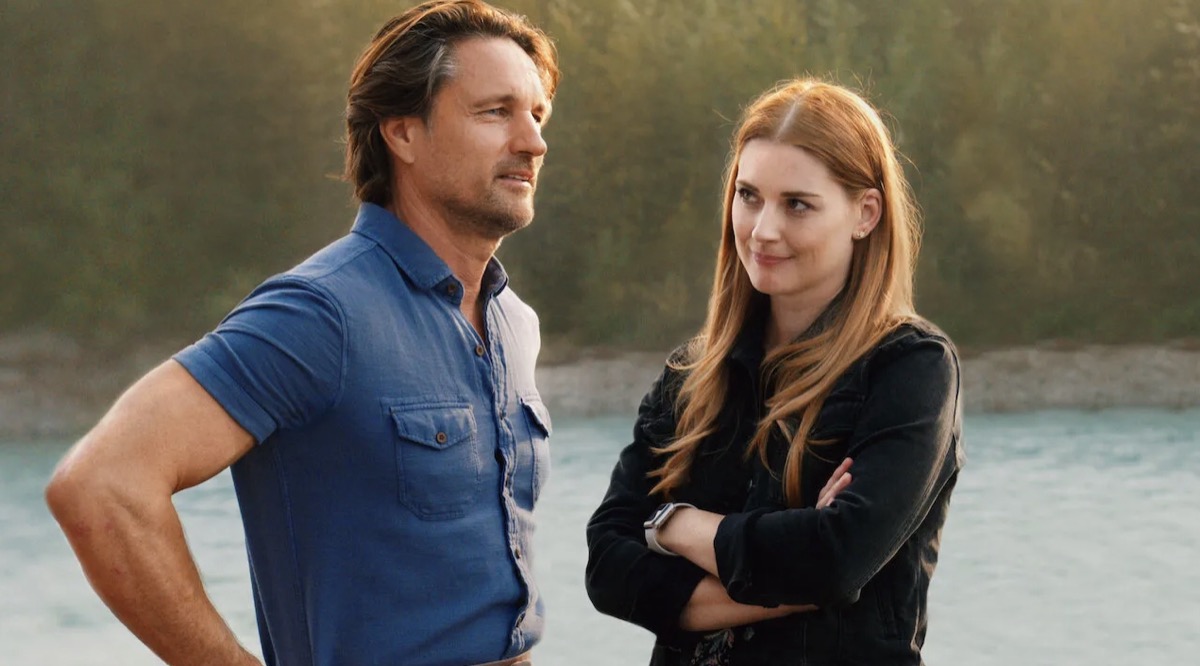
{"type": "Point", "coordinates": [836, 483]}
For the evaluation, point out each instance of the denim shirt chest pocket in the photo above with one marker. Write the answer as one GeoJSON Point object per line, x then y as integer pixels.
{"type": "Point", "coordinates": [538, 421]}
{"type": "Point", "coordinates": [437, 458]}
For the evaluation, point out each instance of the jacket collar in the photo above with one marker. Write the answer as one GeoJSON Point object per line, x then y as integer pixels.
{"type": "Point", "coordinates": [748, 350]}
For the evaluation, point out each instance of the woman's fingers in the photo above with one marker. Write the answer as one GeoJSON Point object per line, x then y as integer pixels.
{"type": "Point", "coordinates": [837, 481]}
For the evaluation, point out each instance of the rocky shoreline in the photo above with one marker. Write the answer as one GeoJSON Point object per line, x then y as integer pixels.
{"type": "Point", "coordinates": [1003, 380]}
{"type": "Point", "coordinates": [53, 388]}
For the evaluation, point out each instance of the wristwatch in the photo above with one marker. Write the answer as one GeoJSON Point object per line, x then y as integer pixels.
{"type": "Point", "coordinates": [657, 521]}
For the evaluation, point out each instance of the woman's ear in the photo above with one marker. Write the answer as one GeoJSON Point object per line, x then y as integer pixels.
{"type": "Point", "coordinates": [870, 207]}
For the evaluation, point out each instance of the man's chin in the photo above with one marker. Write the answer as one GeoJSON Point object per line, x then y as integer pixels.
{"type": "Point", "coordinates": [498, 226]}
{"type": "Point", "coordinates": [495, 218]}
{"type": "Point", "coordinates": [516, 217]}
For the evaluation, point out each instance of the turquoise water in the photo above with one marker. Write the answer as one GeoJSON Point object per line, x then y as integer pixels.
{"type": "Point", "coordinates": [1069, 541]}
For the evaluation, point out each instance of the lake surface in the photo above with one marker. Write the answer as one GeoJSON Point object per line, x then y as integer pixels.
{"type": "Point", "coordinates": [1069, 541]}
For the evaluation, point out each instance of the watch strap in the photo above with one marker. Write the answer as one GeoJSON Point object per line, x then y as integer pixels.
{"type": "Point", "coordinates": [657, 522]}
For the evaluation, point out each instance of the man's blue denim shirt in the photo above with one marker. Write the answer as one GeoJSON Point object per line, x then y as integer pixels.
{"type": "Point", "coordinates": [388, 504]}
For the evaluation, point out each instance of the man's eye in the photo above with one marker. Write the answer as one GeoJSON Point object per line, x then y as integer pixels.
{"type": "Point", "coordinates": [498, 111]}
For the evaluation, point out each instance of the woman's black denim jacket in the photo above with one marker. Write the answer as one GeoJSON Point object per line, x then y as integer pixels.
{"type": "Point", "coordinates": [865, 561]}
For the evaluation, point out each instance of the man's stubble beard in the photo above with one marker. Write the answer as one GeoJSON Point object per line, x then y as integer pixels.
{"type": "Point", "coordinates": [492, 218]}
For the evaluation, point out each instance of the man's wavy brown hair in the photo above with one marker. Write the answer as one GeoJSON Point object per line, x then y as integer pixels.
{"type": "Point", "coordinates": [404, 67]}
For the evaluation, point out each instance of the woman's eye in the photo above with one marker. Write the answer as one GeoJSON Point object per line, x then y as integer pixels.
{"type": "Point", "coordinates": [746, 195]}
{"type": "Point", "coordinates": [797, 205]}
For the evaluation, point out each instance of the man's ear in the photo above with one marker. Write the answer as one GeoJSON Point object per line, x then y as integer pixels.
{"type": "Point", "coordinates": [400, 134]}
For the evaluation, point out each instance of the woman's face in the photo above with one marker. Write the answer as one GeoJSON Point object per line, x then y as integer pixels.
{"type": "Point", "coordinates": [794, 225]}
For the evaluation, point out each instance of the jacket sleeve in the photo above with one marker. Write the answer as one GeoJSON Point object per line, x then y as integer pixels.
{"type": "Point", "coordinates": [624, 578]}
{"type": "Point", "coordinates": [905, 450]}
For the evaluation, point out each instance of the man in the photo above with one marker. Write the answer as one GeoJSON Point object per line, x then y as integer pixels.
{"type": "Point", "coordinates": [376, 403]}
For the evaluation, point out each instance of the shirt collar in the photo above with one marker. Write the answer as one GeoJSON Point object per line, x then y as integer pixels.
{"type": "Point", "coordinates": [413, 256]}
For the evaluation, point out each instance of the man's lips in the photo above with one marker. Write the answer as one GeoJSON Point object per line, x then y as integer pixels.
{"type": "Point", "coordinates": [520, 176]}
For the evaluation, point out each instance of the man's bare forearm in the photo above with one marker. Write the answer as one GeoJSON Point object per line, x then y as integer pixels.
{"type": "Point", "coordinates": [135, 556]}
{"type": "Point", "coordinates": [112, 496]}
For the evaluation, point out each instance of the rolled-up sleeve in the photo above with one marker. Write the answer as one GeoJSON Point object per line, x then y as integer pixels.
{"type": "Point", "coordinates": [276, 361]}
{"type": "Point", "coordinates": [624, 578]}
{"type": "Point", "coordinates": [904, 447]}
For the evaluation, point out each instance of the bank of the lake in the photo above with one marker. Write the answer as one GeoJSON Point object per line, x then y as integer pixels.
{"type": "Point", "coordinates": [55, 387]}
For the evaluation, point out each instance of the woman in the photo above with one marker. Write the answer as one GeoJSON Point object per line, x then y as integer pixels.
{"type": "Point", "coordinates": [812, 362]}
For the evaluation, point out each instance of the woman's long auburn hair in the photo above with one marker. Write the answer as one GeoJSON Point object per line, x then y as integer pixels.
{"type": "Point", "coordinates": [841, 130]}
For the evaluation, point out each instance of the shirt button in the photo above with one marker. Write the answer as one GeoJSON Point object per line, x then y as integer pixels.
{"type": "Point", "coordinates": [441, 438]}
{"type": "Point", "coordinates": [479, 350]}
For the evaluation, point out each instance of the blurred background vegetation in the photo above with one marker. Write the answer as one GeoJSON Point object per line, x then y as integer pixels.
{"type": "Point", "coordinates": [157, 160]}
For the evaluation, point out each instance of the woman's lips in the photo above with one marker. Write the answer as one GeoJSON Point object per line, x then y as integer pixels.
{"type": "Point", "coordinates": [767, 259]}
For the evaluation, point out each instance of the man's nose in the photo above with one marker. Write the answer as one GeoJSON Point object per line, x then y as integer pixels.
{"type": "Point", "coordinates": [527, 139]}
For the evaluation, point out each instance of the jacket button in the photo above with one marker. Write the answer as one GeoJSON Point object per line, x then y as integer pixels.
{"type": "Point", "coordinates": [441, 438]}
{"type": "Point", "coordinates": [479, 350]}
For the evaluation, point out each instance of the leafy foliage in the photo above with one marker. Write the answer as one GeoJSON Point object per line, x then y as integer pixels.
{"type": "Point", "coordinates": [159, 160]}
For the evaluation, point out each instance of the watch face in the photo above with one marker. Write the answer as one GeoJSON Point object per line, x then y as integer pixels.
{"type": "Point", "coordinates": [658, 516]}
